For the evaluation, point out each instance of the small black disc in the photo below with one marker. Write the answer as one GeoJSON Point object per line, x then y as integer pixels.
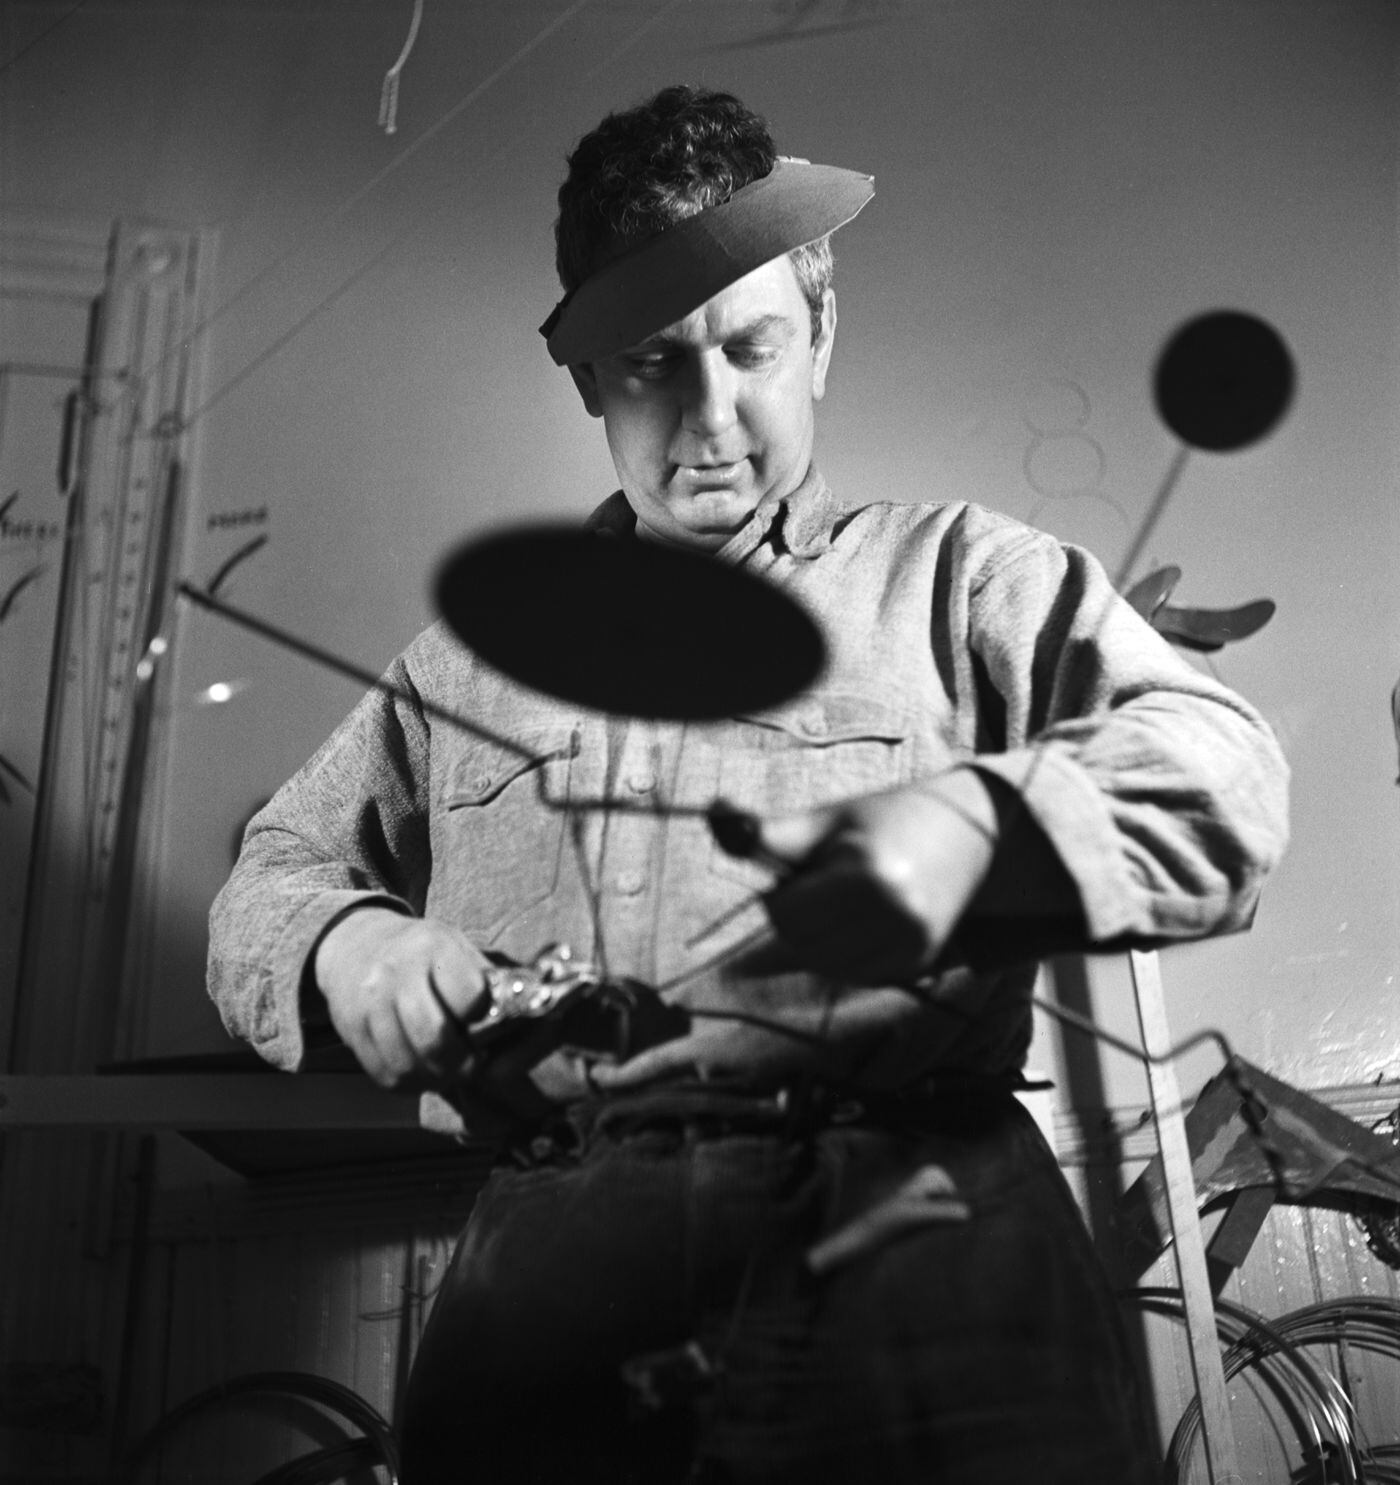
{"type": "Point", "coordinates": [1223, 381]}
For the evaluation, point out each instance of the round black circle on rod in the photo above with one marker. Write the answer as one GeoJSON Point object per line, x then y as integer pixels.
{"type": "Point", "coordinates": [1223, 380]}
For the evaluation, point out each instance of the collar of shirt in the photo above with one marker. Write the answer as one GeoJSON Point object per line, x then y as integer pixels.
{"type": "Point", "coordinates": [800, 522]}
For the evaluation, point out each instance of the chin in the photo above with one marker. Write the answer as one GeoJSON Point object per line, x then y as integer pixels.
{"type": "Point", "coordinates": [720, 508]}
{"type": "Point", "coordinates": [698, 538]}
{"type": "Point", "coordinates": [714, 532]}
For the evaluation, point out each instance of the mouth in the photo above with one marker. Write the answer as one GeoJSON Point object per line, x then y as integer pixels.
{"type": "Point", "coordinates": [711, 474]}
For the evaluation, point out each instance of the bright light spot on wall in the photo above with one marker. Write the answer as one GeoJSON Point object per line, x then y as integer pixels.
{"type": "Point", "coordinates": [219, 692]}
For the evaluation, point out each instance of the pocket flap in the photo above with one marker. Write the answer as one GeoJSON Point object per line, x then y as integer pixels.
{"type": "Point", "coordinates": [485, 770]}
{"type": "Point", "coordinates": [828, 717]}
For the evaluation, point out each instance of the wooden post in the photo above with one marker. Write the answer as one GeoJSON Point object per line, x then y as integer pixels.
{"type": "Point", "coordinates": [1207, 1368]}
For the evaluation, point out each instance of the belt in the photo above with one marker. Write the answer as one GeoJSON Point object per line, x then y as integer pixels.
{"type": "Point", "coordinates": [703, 1111]}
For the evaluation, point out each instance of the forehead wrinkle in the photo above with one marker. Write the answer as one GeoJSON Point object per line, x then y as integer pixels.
{"type": "Point", "coordinates": [681, 332]}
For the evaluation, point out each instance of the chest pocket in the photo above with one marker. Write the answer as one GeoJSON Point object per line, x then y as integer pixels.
{"type": "Point", "coordinates": [506, 827]}
{"type": "Point", "coordinates": [826, 748]}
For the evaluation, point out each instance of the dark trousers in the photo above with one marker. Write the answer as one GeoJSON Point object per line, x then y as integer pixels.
{"type": "Point", "coordinates": [638, 1307]}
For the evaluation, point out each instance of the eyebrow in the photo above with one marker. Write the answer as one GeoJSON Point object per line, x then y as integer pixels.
{"type": "Point", "coordinates": [750, 331]}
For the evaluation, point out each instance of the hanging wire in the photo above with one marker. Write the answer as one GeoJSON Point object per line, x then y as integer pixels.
{"type": "Point", "coordinates": [240, 556]}
{"type": "Point", "coordinates": [392, 246]}
{"type": "Point", "coordinates": [43, 35]}
{"type": "Point", "coordinates": [389, 93]}
{"type": "Point", "coordinates": [8, 599]}
{"type": "Point", "coordinates": [657, 17]}
{"type": "Point", "coordinates": [302, 242]}
{"type": "Point", "coordinates": [280, 342]}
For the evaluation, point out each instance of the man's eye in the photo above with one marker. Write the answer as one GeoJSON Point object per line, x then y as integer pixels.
{"type": "Point", "coordinates": [652, 366]}
{"type": "Point", "coordinates": [752, 355]}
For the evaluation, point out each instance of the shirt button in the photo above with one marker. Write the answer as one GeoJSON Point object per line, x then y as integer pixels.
{"type": "Point", "coordinates": [813, 724]}
{"type": "Point", "coordinates": [642, 783]}
{"type": "Point", "coordinates": [482, 782]}
{"type": "Point", "coordinates": [630, 883]}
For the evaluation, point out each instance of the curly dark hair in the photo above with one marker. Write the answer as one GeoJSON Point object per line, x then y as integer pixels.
{"type": "Point", "coordinates": [642, 170]}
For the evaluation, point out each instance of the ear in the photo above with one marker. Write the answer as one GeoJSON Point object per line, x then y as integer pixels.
{"type": "Point", "coordinates": [821, 347]}
{"type": "Point", "coordinates": [587, 384]}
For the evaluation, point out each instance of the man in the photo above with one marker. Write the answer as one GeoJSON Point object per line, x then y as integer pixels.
{"type": "Point", "coordinates": [813, 1236]}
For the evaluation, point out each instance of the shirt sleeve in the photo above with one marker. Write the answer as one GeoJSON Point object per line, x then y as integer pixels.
{"type": "Point", "coordinates": [1163, 793]}
{"type": "Point", "coordinates": [350, 828]}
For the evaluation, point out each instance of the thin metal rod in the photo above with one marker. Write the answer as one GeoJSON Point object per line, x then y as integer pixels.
{"type": "Point", "coordinates": [1111, 1039]}
{"type": "Point", "coordinates": [345, 667]}
{"type": "Point", "coordinates": [241, 555]}
{"type": "Point", "coordinates": [747, 944]}
{"type": "Point", "coordinates": [1154, 514]}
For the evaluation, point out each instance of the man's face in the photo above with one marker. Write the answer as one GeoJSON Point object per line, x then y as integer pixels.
{"type": "Point", "coordinates": [714, 414]}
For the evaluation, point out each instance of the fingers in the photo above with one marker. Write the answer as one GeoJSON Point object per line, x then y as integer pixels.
{"type": "Point", "coordinates": [431, 1029]}
{"type": "Point", "coordinates": [680, 1056]}
{"type": "Point", "coordinates": [400, 993]}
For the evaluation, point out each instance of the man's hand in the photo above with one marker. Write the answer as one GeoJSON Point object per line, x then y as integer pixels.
{"type": "Point", "coordinates": [400, 990]}
{"type": "Point", "coordinates": [879, 883]}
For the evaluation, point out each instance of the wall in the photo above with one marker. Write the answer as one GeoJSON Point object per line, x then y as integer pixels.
{"type": "Point", "coordinates": [1058, 186]}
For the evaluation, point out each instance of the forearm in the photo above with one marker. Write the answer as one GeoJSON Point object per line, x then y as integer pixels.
{"type": "Point", "coordinates": [1161, 794]}
{"type": "Point", "coordinates": [1165, 817]}
{"type": "Point", "coordinates": [264, 928]}
{"type": "Point", "coordinates": [1026, 905]}
{"type": "Point", "coordinates": [342, 834]}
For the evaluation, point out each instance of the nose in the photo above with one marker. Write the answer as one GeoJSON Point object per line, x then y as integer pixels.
{"type": "Point", "coordinates": [708, 395]}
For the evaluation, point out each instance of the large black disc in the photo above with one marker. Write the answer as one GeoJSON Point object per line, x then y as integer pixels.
{"type": "Point", "coordinates": [1223, 381]}
{"type": "Point", "coordinates": [627, 627]}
